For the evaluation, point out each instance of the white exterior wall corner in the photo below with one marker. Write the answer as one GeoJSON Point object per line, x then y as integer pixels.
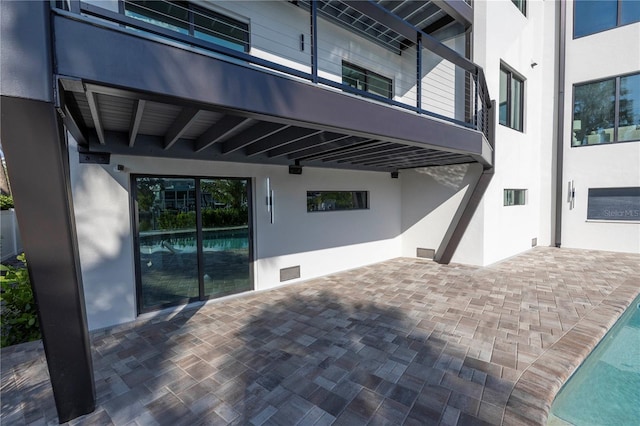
{"type": "Point", "coordinates": [431, 198]}
{"type": "Point", "coordinates": [598, 56]}
{"type": "Point", "coordinates": [523, 160]}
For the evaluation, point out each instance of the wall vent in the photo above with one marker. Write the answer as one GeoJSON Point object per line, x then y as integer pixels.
{"type": "Point", "coordinates": [425, 253]}
{"type": "Point", "coordinates": [534, 242]}
{"type": "Point", "coordinates": [291, 273]}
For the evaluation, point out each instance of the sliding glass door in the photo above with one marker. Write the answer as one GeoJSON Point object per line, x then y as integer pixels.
{"type": "Point", "coordinates": [192, 240]}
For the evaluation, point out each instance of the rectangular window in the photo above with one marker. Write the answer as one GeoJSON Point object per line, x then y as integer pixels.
{"type": "Point", "coordinates": [614, 204]}
{"type": "Point", "coordinates": [322, 201]}
{"type": "Point", "coordinates": [515, 197]}
{"type": "Point", "coordinates": [521, 5]}
{"type": "Point", "coordinates": [365, 80]}
{"type": "Point", "coordinates": [594, 16]}
{"type": "Point", "coordinates": [606, 111]}
{"type": "Point", "coordinates": [511, 108]}
{"type": "Point", "coordinates": [188, 19]}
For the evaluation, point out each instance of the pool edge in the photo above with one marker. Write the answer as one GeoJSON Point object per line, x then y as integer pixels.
{"type": "Point", "coordinates": [539, 383]}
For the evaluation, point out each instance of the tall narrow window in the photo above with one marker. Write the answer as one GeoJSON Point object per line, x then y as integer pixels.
{"type": "Point", "coordinates": [365, 80]}
{"type": "Point", "coordinates": [198, 22]}
{"type": "Point", "coordinates": [511, 99]}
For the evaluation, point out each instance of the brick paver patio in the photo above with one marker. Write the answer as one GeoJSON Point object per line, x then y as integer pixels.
{"type": "Point", "coordinates": [406, 341]}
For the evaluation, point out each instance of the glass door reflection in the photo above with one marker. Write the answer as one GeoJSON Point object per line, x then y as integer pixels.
{"type": "Point", "coordinates": [167, 241]}
{"type": "Point", "coordinates": [225, 236]}
{"type": "Point", "coordinates": [192, 239]}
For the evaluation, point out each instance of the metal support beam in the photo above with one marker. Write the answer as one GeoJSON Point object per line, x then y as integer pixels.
{"type": "Point", "coordinates": [251, 135]}
{"type": "Point", "coordinates": [419, 73]}
{"type": "Point", "coordinates": [292, 134]}
{"type": "Point", "coordinates": [185, 119]}
{"type": "Point", "coordinates": [47, 228]}
{"type": "Point", "coordinates": [218, 131]}
{"type": "Point", "coordinates": [136, 119]}
{"type": "Point", "coordinates": [306, 143]}
{"type": "Point", "coordinates": [460, 10]}
{"type": "Point", "coordinates": [95, 116]}
{"type": "Point", "coordinates": [314, 41]}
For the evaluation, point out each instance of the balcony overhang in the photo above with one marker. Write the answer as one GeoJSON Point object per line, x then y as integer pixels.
{"type": "Point", "coordinates": [157, 98]}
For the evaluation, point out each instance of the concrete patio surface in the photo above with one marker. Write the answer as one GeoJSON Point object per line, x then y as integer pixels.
{"type": "Point", "coordinates": [405, 341]}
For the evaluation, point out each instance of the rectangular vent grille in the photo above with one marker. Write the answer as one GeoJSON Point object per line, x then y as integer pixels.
{"type": "Point", "coordinates": [291, 273]}
{"type": "Point", "coordinates": [425, 253]}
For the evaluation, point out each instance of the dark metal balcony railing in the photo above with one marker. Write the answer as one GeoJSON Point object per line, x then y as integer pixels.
{"type": "Point", "coordinates": [427, 77]}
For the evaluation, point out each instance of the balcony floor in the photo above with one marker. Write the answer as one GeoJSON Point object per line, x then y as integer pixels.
{"type": "Point", "coordinates": [406, 341]}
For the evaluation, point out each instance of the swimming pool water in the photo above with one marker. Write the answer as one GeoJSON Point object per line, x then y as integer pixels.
{"type": "Point", "coordinates": [605, 390]}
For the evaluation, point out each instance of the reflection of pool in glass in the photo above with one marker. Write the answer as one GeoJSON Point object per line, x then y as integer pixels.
{"type": "Point", "coordinates": [236, 239]}
{"type": "Point", "coordinates": [605, 390]}
{"type": "Point", "coordinates": [169, 263]}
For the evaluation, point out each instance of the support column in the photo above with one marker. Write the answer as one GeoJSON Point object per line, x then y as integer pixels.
{"type": "Point", "coordinates": [33, 142]}
{"type": "Point", "coordinates": [37, 162]}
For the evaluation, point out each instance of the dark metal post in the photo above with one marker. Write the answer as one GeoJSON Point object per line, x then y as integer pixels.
{"type": "Point", "coordinates": [314, 41]}
{"type": "Point", "coordinates": [33, 142]}
{"type": "Point", "coordinates": [476, 79]}
{"type": "Point", "coordinates": [47, 228]}
{"type": "Point", "coordinates": [562, 33]}
{"type": "Point", "coordinates": [419, 73]}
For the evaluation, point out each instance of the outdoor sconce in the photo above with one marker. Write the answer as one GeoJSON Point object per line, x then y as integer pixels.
{"type": "Point", "coordinates": [394, 175]}
{"type": "Point", "coordinates": [270, 200]}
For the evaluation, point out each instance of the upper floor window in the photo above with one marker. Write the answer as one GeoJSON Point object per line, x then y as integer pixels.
{"type": "Point", "coordinates": [606, 111]}
{"type": "Point", "coordinates": [511, 99]}
{"type": "Point", "coordinates": [185, 18]}
{"type": "Point", "coordinates": [521, 5]}
{"type": "Point", "coordinates": [594, 16]}
{"type": "Point", "coordinates": [362, 79]}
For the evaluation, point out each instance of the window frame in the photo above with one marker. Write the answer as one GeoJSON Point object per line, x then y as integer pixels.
{"type": "Point", "coordinates": [313, 193]}
{"type": "Point", "coordinates": [367, 73]}
{"type": "Point", "coordinates": [624, 215]}
{"type": "Point", "coordinates": [515, 197]}
{"type": "Point", "coordinates": [521, 5]}
{"type": "Point", "coordinates": [617, 25]}
{"type": "Point", "coordinates": [511, 74]}
{"type": "Point", "coordinates": [616, 107]}
{"type": "Point", "coordinates": [193, 10]}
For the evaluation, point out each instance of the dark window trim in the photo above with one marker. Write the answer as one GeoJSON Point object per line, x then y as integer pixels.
{"type": "Point", "coordinates": [522, 7]}
{"type": "Point", "coordinates": [515, 198]}
{"type": "Point", "coordinates": [366, 207]}
{"type": "Point", "coordinates": [618, 19]}
{"type": "Point", "coordinates": [510, 75]}
{"type": "Point", "coordinates": [616, 119]}
{"type": "Point", "coordinates": [193, 9]}
{"type": "Point", "coordinates": [368, 73]}
{"type": "Point", "coordinates": [136, 226]}
{"type": "Point", "coordinates": [632, 214]}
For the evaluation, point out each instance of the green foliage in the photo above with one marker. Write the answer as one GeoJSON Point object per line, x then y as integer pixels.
{"type": "Point", "coordinates": [19, 313]}
{"type": "Point", "coordinates": [175, 220]}
{"type": "Point", "coordinates": [216, 218]}
{"type": "Point", "coordinates": [6, 202]}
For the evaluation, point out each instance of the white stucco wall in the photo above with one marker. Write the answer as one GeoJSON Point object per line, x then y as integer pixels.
{"type": "Point", "coordinates": [598, 56]}
{"type": "Point", "coordinates": [523, 160]}
{"type": "Point", "coordinates": [431, 196]}
{"type": "Point", "coordinates": [320, 243]}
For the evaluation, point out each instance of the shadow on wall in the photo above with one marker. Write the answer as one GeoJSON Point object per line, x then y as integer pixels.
{"type": "Point", "coordinates": [429, 188]}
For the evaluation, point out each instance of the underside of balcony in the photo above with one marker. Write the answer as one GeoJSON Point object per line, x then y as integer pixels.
{"type": "Point", "coordinates": [166, 99]}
